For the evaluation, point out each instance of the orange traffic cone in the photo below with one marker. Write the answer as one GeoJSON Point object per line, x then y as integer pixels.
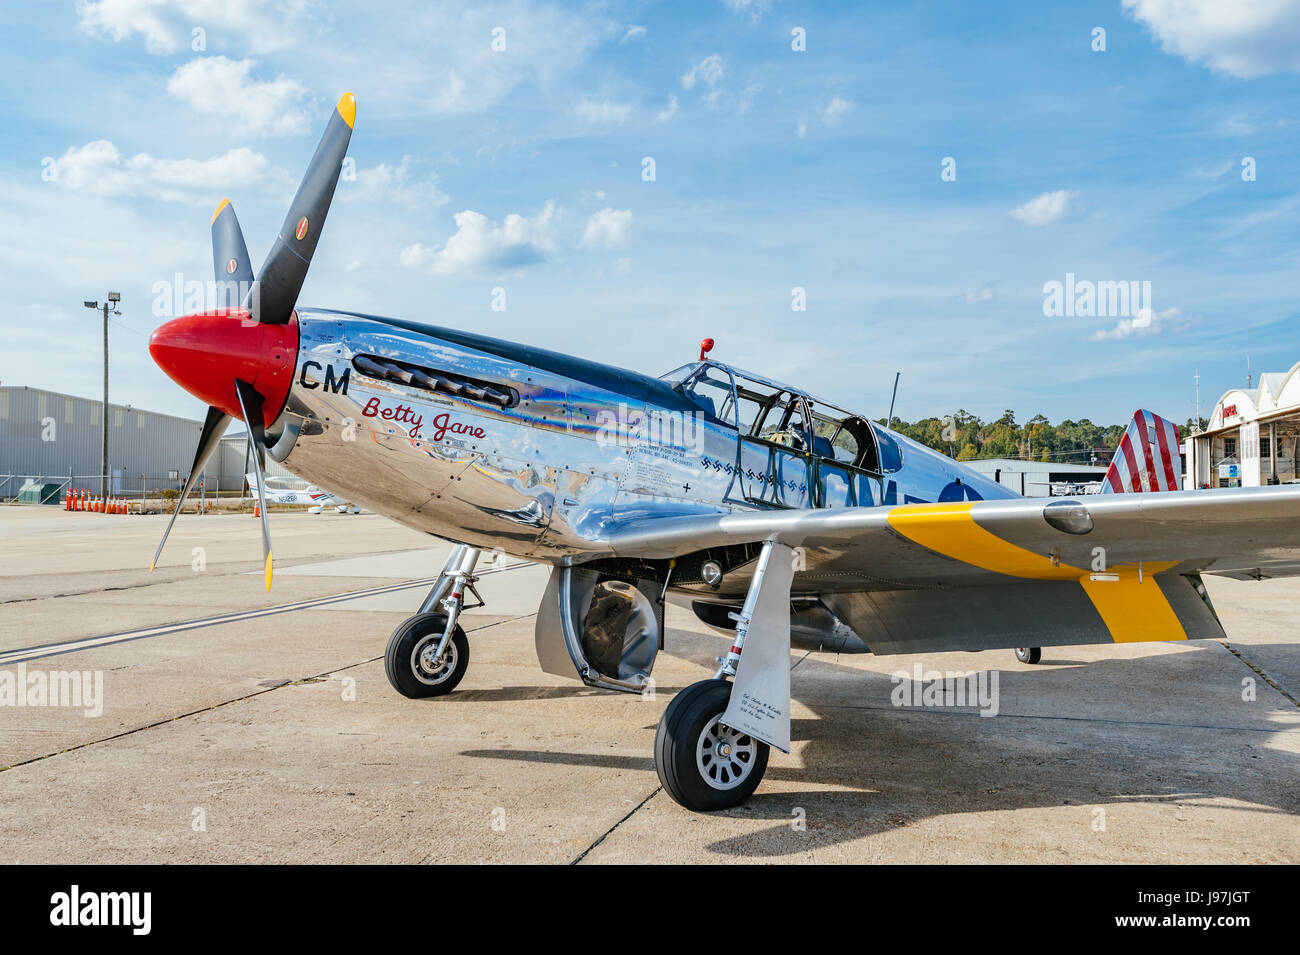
{"type": "Point", "coordinates": [67, 500]}
{"type": "Point", "coordinates": [76, 499]}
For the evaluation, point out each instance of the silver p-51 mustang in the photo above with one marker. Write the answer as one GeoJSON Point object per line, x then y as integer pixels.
{"type": "Point", "coordinates": [772, 513]}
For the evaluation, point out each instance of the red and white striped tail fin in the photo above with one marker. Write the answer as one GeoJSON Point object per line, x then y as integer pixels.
{"type": "Point", "coordinates": [1147, 459]}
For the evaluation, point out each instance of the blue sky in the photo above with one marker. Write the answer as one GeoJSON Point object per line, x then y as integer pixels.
{"type": "Point", "coordinates": [774, 169]}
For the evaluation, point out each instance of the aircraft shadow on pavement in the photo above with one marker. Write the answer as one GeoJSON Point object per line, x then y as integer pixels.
{"type": "Point", "coordinates": [876, 767]}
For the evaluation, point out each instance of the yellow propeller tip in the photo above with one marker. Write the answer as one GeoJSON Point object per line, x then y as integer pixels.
{"type": "Point", "coordinates": [151, 567]}
{"type": "Point", "coordinates": [347, 108]}
{"type": "Point", "coordinates": [268, 570]}
{"type": "Point", "coordinates": [220, 205]}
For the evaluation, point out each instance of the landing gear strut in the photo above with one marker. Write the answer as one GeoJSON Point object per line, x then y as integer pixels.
{"type": "Point", "coordinates": [429, 653]}
{"type": "Point", "coordinates": [714, 738]}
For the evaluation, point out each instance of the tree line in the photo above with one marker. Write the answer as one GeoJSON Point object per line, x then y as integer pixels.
{"type": "Point", "coordinates": [967, 437]}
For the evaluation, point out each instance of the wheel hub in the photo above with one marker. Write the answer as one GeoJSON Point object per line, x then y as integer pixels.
{"type": "Point", "coordinates": [425, 664]}
{"type": "Point", "coordinates": [724, 756]}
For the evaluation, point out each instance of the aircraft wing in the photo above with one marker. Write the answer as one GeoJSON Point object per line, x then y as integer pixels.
{"type": "Point", "coordinates": [1024, 572]}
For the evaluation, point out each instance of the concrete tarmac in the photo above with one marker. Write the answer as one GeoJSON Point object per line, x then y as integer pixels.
{"type": "Point", "coordinates": [242, 726]}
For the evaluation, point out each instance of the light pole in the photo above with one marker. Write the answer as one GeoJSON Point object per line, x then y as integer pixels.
{"type": "Point", "coordinates": [109, 305]}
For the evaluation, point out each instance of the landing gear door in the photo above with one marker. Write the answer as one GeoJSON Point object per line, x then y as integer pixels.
{"type": "Point", "coordinates": [606, 628]}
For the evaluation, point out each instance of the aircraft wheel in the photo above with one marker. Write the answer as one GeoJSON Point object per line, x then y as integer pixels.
{"type": "Point", "coordinates": [703, 764]}
{"type": "Point", "coordinates": [1029, 654]}
{"type": "Point", "coordinates": [408, 661]}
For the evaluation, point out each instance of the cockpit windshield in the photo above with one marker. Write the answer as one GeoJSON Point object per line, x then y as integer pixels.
{"type": "Point", "coordinates": [708, 387]}
{"type": "Point", "coordinates": [679, 374]}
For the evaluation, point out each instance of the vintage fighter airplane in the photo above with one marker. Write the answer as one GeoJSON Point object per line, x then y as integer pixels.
{"type": "Point", "coordinates": [771, 512]}
{"type": "Point", "coordinates": [288, 490]}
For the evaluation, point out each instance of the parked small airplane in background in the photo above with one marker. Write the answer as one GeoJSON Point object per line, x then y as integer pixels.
{"type": "Point", "coordinates": [292, 490]}
{"type": "Point", "coordinates": [768, 511]}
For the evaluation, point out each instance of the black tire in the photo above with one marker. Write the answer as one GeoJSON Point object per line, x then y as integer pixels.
{"type": "Point", "coordinates": [1029, 654]}
{"type": "Point", "coordinates": [677, 756]}
{"type": "Point", "coordinates": [405, 673]}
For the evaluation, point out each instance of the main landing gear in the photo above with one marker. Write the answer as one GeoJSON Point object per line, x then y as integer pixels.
{"type": "Point", "coordinates": [714, 738]}
{"type": "Point", "coordinates": [1029, 654]}
{"type": "Point", "coordinates": [429, 653]}
{"type": "Point", "coordinates": [704, 764]}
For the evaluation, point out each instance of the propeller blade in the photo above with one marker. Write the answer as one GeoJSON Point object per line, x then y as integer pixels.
{"type": "Point", "coordinates": [250, 402]}
{"type": "Point", "coordinates": [213, 428]}
{"type": "Point", "coordinates": [274, 294]}
{"type": "Point", "coordinates": [230, 262]}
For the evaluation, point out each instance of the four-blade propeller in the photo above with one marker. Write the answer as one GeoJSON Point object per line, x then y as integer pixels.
{"type": "Point", "coordinates": [224, 357]}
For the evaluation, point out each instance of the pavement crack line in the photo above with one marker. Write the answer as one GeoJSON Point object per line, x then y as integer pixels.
{"type": "Point", "coordinates": [216, 706]}
{"type": "Point", "coordinates": [40, 651]}
{"type": "Point", "coordinates": [654, 792]}
{"type": "Point", "coordinates": [1262, 675]}
{"type": "Point", "coordinates": [970, 713]}
{"type": "Point", "coordinates": [160, 580]}
{"type": "Point", "coordinates": [610, 830]}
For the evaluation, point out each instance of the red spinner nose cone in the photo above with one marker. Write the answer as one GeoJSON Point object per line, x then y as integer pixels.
{"type": "Point", "coordinates": [206, 352]}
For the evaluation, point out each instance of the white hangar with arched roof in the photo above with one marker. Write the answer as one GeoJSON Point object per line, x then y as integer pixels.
{"type": "Point", "coordinates": [1253, 436]}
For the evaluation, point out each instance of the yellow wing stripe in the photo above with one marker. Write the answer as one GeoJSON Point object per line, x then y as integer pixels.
{"type": "Point", "coordinates": [1133, 610]}
{"type": "Point", "coordinates": [950, 529]}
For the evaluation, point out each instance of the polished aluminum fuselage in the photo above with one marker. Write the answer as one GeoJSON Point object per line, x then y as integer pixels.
{"type": "Point", "coordinates": [546, 479]}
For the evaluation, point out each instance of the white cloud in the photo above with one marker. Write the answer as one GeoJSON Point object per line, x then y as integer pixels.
{"type": "Point", "coordinates": [98, 169]}
{"type": "Point", "coordinates": [221, 87]}
{"type": "Point", "coordinates": [1047, 209]}
{"type": "Point", "coordinates": [801, 129]}
{"type": "Point", "coordinates": [669, 111]}
{"type": "Point", "coordinates": [1241, 39]}
{"type": "Point", "coordinates": [393, 183]}
{"type": "Point", "coordinates": [480, 245]}
{"type": "Point", "coordinates": [1216, 172]}
{"type": "Point", "coordinates": [755, 8]}
{"type": "Point", "coordinates": [633, 33]}
{"type": "Point", "coordinates": [608, 229]}
{"type": "Point", "coordinates": [602, 112]}
{"type": "Point", "coordinates": [836, 110]}
{"type": "Point", "coordinates": [986, 294]}
{"type": "Point", "coordinates": [1146, 322]}
{"type": "Point", "coordinates": [167, 25]}
{"type": "Point", "coordinates": [453, 57]}
{"type": "Point", "coordinates": [708, 70]}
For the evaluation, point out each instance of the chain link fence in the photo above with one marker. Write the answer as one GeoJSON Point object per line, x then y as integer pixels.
{"type": "Point", "coordinates": [148, 491]}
